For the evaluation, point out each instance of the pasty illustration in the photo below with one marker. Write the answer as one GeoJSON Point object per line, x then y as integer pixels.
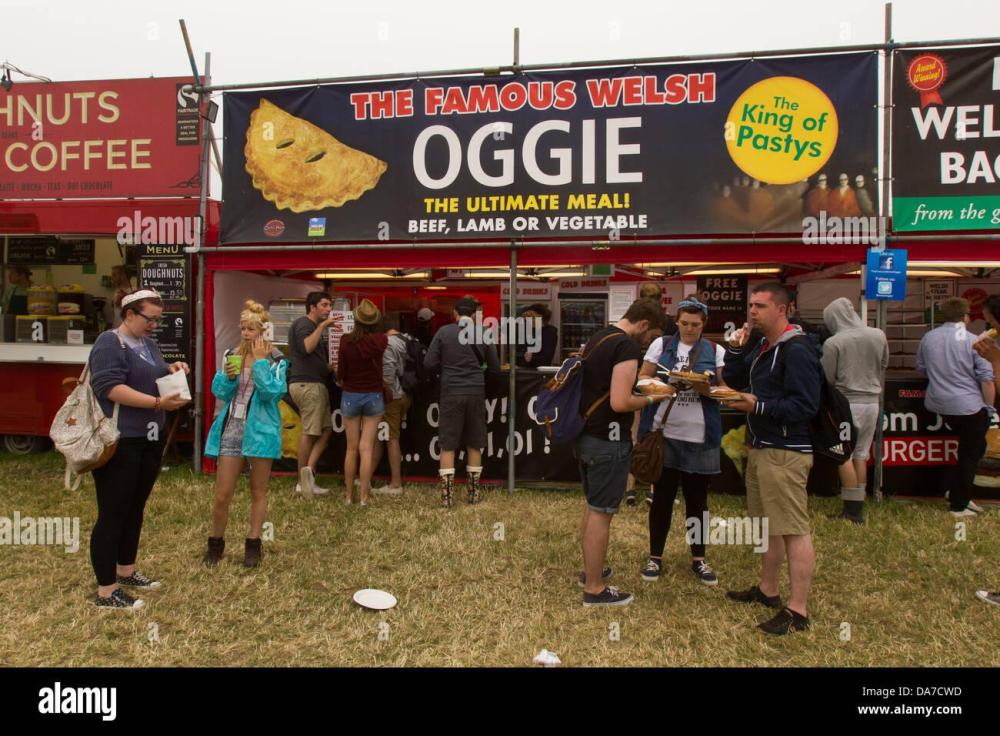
{"type": "Point", "coordinates": [301, 167]}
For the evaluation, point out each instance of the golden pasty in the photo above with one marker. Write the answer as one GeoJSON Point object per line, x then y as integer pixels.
{"type": "Point", "coordinates": [301, 167]}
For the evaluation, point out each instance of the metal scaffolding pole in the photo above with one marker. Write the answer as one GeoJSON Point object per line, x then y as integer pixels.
{"type": "Point", "coordinates": [882, 313]}
{"type": "Point", "coordinates": [199, 319]}
{"type": "Point", "coordinates": [497, 70]}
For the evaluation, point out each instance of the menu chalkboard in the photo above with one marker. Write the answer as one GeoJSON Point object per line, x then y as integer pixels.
{"type": "Point", "coordinates": [49, 251]}
{"type": "Point", "coordinates": [167, 269]}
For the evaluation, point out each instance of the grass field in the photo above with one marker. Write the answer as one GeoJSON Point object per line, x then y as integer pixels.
{"type": "Point", "coordinates": [902, 584]}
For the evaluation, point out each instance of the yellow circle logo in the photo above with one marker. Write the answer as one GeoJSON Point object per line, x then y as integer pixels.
{"type": "Point", "coordinates": [782, 130]}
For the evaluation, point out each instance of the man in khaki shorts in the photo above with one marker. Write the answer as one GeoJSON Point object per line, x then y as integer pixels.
{"type": "Point", "coordinates": [782, 375]}
{"type": "Point", "coordinates": [307, 384]}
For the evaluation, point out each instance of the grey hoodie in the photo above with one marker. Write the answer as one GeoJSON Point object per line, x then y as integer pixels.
{"type": "Point", "coordinates": [856, 356]}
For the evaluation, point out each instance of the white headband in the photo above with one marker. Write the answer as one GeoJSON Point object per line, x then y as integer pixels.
{"type": "Point", "coordinates": [137, 295]}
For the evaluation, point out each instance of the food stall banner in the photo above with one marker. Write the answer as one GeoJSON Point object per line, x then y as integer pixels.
{"type": "Point", "coordinates": [167, 269]}
{"type": "Point", "coordinates": [726, 297]}
{"type": "Point", "coordinates": [109, 138]}
{"type": "Point", "coordinates": [946, 139]}
{"type": "Point", "coordinates": [885, 275]}
{"type": "Point", "coordinates": [700, 147]}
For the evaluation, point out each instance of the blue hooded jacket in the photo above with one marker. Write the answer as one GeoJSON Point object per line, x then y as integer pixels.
{"type": "Point", "coordinates": [262, 433]}
{"type": "Point", "coordinates": [787, 390]}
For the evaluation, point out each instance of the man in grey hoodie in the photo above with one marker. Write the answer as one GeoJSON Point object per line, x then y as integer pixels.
{"type": "Point", "coordinates": [854, 361]}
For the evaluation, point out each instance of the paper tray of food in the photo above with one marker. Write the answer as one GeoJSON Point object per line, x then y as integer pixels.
{"type": "Point", "coordinates": [719, 393]}
{"type": "Point", "coordinates": [653, 387]}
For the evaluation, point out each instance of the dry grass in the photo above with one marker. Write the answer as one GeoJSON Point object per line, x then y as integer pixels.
{"type": "Point", "coordinates": [902, 582]}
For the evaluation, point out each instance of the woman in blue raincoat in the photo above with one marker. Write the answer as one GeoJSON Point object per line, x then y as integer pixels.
{"type": "Point", "coordinates": [251, 383]}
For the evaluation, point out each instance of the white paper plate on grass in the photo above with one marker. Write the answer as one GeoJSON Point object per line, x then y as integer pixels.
{"type": "Point", "coordinates": [378, 600]}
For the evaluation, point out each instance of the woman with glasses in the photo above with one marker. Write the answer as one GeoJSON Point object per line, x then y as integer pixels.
{"type": "Point", "coordinates": [124, 366]}
{"type": "Point", "coordinates": [692, 437]}
{"type": "Point", "coordinates": [251, 382]}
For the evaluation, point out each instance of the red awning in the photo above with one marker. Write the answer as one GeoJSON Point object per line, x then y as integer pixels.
{"type": "Point", "coordinates": [96, 216]}
{"type": "Point", "coordinates": [406, 256]}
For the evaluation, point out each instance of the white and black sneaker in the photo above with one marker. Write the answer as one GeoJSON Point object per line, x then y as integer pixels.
{"type": "Point", "coordinates": [138, 580]}
{"type": "Point", "coordinates": [967, 512]}
{"type": "Point", "coordinates": [120, 599]}
{"type": "Point", "coordinates": [606, 573]}
{"type": "Point", "coordinates": [988, 597]}
{"type": "Point", "coordinates": [973, 506]}
{"type": "Point", "coordinates": [610, 596]}
{"type": "Point", "coordinates": [704, 573]}
{"type": "Point", "coordinates": [652, 571]}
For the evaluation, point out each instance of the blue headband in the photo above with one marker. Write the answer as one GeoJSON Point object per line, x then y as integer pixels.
{"type": "Point", "coordinates": [693, 303]}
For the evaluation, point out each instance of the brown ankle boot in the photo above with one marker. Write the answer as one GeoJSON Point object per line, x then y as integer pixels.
{"type": "Point", "coordinates": [216, 546]}
{"type": "Point", "coordinates": [252, 554]}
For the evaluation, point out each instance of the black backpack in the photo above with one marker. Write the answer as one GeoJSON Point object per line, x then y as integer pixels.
{"type": "Point", "coordinates": [415, 375]}
{"type": "Point", "coordinates": [832, 431]}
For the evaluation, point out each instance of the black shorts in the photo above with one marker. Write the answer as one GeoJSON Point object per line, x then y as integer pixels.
{"type": "Point", "coordinates": [604, 468]}
{"type": "Point", "coordinates": [462, 422]}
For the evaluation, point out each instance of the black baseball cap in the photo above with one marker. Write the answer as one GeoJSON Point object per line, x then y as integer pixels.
{"type": "Point", "coordinates": [466, 306]}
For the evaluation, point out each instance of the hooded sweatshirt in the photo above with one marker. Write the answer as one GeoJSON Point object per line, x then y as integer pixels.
{"type": "Point", "coordinates": [856, 356]}
{"type": "Point", "coordinates": [785, 378]}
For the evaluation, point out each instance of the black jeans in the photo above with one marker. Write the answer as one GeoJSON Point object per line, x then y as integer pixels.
{"type": "Point", "coordinates": [123, 485]}
{"type": "Point", "coordinates": [695, 488]}
{"type": "Point", "coordinates": [971, 431]}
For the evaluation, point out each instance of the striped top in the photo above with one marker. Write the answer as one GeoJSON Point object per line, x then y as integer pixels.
{"type": "Point", "coordinates": [111, 365]}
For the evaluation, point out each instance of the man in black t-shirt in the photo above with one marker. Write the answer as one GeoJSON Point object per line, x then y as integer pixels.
{"type": "Point", "coordinates": [307, 384]}
{"type": "Point", "coordinates": [604, 450]}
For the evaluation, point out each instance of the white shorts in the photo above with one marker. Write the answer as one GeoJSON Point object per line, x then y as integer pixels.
{"type": "Point", "coordinates": [865, 419]}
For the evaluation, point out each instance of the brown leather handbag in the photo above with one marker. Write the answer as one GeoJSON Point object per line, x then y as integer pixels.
{"type": "Point", "coordinates": [647, 456]}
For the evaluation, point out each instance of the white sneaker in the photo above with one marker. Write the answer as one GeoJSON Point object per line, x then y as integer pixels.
{"type": "Point", "coordinates": [388, 490]}
{"type": "Point", "coordinates": [307, 483]}
{"type": "Point", "coordinates": [988, 597]}
{"type": "Point", "coordinates": [975, 507]}
{"type": "Point", "coordinates": [317, 491]}
{"type": "Point", "coordinates": [964, 513]}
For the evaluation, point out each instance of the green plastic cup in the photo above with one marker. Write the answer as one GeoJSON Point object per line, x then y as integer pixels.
{"type": "Point", "coordinates": [236, 361]}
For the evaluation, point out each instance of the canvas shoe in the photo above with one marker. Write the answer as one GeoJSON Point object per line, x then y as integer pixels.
{"type": "Point", "coordinates": [388, 490]}
{"type": "Point", "coordinates": [306, 482]}
{"type": "Point", "coordinates": [964, 513]}
{"type": "Point", "coordinates": [610, 596]}
{"type": "Point", "coordinates": [973, 506]}
{"type": "Point", "coordinates": [652, 571]}
{"type": "Point", "coordinates": [704, 573]}
{"type": "Point", "coordinates": [138, 580]}
{"type": "Point", "coordinates": [119, 599]}
{"type": "Point", "coordinates": [988, 597]}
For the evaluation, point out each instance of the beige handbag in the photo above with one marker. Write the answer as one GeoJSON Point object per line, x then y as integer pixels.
{"type": "Point", "coordinates": [81, 432]}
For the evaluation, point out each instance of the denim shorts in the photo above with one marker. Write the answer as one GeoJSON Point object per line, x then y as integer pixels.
{"type": "Point", "coordinates": [604, 467]}
{"type": "Point", "coordinates": [355, 405]}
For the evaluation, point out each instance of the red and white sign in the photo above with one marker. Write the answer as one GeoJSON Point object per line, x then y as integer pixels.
{"type": "Point", "coordinates": [111, 138]}
{"type": "Point", "coordinates": [538, 292]}
{"type": "Point", "coordinates": [584, 284]}
{"type": "Point", "coordinates": [930, 450]}
{"type": "Point", "coordinates": [338, 330]}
